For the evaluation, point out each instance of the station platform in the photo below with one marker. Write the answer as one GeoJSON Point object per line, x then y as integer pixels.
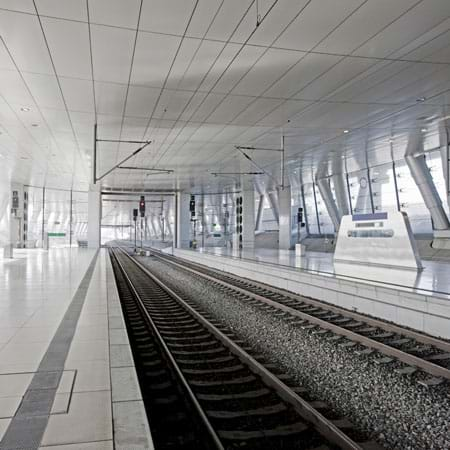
{"type": "Point", "coordinates": [419, 300]}
{"type": "Point", "coordinates": [67, 377]}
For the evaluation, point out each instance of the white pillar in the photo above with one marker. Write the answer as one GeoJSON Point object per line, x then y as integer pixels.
{"type": "Point", "coordinates": [183, 221]}
{"type": "Point", "coordinates": [16, 223]}
{"type": "Point", "coordinates": [285, 238]}
{"type": "Point", "coordinates": [248, 219]}
{"type": "Point", "coordinates": [94, 216]}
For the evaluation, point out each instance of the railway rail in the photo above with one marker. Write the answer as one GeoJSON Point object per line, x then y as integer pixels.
{"type": "Point", "coordinates": [233, 397]}
{"type": "Point", "coordinates": [386, 341]}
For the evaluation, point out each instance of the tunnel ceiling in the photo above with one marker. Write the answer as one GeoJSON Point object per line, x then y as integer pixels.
{"type": "Point", "coordinates": [344, 80]}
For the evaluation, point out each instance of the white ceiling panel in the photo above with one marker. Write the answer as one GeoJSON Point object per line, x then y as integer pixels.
{"type": "Point", "coordinates": [64, 9]}
{"type": "Point", "coordinates": [278, 19]}
{"type": "Point", "coordinates": [56, 120]}
{"type": "Point", "coordinates": [225, 57]}
{"type": "Point", "coordinates": [6, 62]}
{"type": "Point", "coordinates": [78, 94]}
{"type": "Point", "coordinates": [187, 50]}
{"type": "Point", "coordinates": [386, 91]}
{"type": "Point", "coordinates": [229, 109]}
{"type": "Point", "coordinates": [82, 120]}
{"type": "Point", "coordinates": [366, 22]}
{"type": "Point", "coordinates": [227, 19]}
{"type": "Point", "coordinates": [376, 74]}
{"type": "Point", "coordinates": [426, 15]}
{"type": "Point", "coordinates": [45, 90]}
{"type": "Point", "coordinates": [69, 46]}
{"type": "Point", "coordinates": [171, 104]}
{"type": "Point", "coordinates": [18, 5]}
{"type": "Point", "coordinates": [166, 16]}
{"type": "Point", "coordinates": [334, 79]}
{"type": "Point", "coordinates": [13, 89]}
{"type": "Point", "coordinates": [283, 113]}
{"type": "Point", "coordinates": [23, 37]}
{"type": "Point", "coordinates": [205, 132]}
{"type": "Point", "coordinates": [228, 134]}
{"type": "Point", "coordinates": [306, 70]}
{"type": "Point", "coordinates": [112, 52]}
{"type": "Point", "coordinates": [141, 101]}
{"type": "Point", "coordinates": [204, 14]}
{"type": "Point", "coordinates": [238, 68]}
{"type": "Point", "coordinates": [315, 22]}
{"type": "Point", "coordinates": [269, 68]}
{"type": "Point", "coordinates": [110, 98]}
{"type": "Point", "coordinates": [435, 50]}
{"type": "Point", "coordinates": [153, 58]}
{"type": "Point", "coordinates": [200, 65]}
{"type": "Point", "coordinates": [256, 111]}
{"type": "Point", "coordinates": [206, 107]}
{"type": "Point", "coordinates": [193, 105]}
{"type": "Point", "coordinates": [133, 128]}
{"type": "Point", "coordinates": [116, 13]}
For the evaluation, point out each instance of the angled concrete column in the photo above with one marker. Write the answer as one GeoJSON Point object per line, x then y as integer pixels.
{"type": "Point", "coordinates": [182, 220]}
{"type": "Point", "coordinates": [259, 214]}
{"type": "Point", "coordinates": [155, 230]}
{"type": "Point", "coordinates": [340, 188]}
{"type": "Point", "coordinates": [340, 191]}
{"type": "Point", "coordinates": [94, 216]}
{"type": "Point", "coordinates": [330, 204]}
{"type": "Point", "coordinates": [444, 141]}
{"type": "Point", "coordinates": [273, 201]}
{"type": "Point", "coordinates": [421, 174]}
{"type": "Point", "coordinates": [285, 238]}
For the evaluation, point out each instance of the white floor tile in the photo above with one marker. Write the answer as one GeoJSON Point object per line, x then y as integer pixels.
{"type": "Point", "coordinates": [103, 445]}
{"type": "Point", "coordinates": [14, 384]}
{"type": "Point", "coordinates": [88, 351]}
{"type": "Point", "coordinates": [89, 419]}
{"type": "Point", "coordinates": [91, 376]}
{"type": "Point", "coordinates": [4, 423]}
{"type": "Point", "coordinates": [9, 405]}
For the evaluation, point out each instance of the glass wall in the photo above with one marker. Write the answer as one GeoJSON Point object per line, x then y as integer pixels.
{"type": "Point", "coordinates": [383, 187]}
{"type": "Point", "coordinates": [117, 218]}
{"type": "Point", "coordinates": [4, 211]}
{"type": "Point", "coordinates": [59, 214]}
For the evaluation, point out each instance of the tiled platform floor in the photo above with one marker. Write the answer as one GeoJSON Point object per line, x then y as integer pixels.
{"type": "Point", "coordinates": [97, 404]}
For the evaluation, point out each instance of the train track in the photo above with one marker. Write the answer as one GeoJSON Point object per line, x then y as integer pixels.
{"type": "Point", "coordinates": [233, 398]}
{"type": "Point", "coordinates": [386, 342]}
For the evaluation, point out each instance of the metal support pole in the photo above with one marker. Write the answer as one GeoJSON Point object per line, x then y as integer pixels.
{"type": "Point", "coordinates": [397, 197]}
{"type": "Point", "coordinates": [349, 193]}
{"type": "Point", "coordinates": [70, 220]}
{"type": "Point", "coordinates": [43, 215]}
{"type": "Point", "coordinates": [203, 221]}
{"type": "Point", "coordinates": [282, 162]}
{"type": "Point", "coordinates": [94, 162]}
{"type": "Point", "coordinates": [369, 182]}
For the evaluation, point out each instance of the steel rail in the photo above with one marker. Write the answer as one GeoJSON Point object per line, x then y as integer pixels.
{"type": "Point", "coordinates": [386, 326]}
{"type": "Point", "coordinates": [205, 421]}
{"type": "Point", "coordinates": [406, 358]}
{"type": "Point", "coordinates": [304, 409]}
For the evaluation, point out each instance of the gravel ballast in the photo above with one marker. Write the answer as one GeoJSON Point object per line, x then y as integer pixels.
{"type": "Point", "coordinates": [393, 409]}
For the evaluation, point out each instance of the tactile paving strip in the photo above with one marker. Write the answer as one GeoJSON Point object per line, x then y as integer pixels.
{"type": "Point", "coordinates": [28, 425]}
